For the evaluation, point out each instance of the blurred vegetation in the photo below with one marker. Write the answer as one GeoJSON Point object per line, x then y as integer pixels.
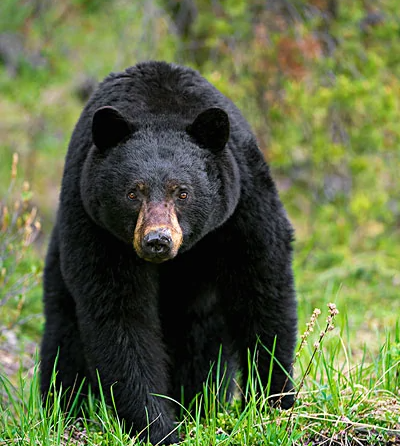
{"type": "Point", "coordinates": [19, 268]}
{"type": "Point", "coordinates": [319, 81]}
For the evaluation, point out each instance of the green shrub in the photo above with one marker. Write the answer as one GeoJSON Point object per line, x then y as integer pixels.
{"type": "Point", "coordinates": [19, 270]}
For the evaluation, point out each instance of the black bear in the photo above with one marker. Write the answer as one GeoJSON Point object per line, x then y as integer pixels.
{"type": "Point", "coordinates": [171, 250]}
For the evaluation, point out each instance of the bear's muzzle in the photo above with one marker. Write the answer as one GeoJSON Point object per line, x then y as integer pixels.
{"type": "Point", "coordinates": [158, 235]}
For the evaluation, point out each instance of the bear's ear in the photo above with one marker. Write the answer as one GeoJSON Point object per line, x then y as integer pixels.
{"type": "Point", "coordinates": [109, 127]}
{"type": "Point", "coordinates": [210, 129]}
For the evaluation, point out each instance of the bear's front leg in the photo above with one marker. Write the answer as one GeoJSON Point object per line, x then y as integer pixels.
{"type": "Point", "coordinates": [259, 292]}
{"type": "Point", "coordinates": [116, 298]}
{"type": "Point", "coordinates": [127, 353]}
{"type": "Point", "coordinates": [263, 322]}
{"type": "Point", "coordinates": [61, 339]}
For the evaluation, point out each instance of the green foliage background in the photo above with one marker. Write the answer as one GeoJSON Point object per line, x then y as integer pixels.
{"type": "Point", "coordinates": [319, 81]}
{"type": "Point", "coordinates": [321, 91]}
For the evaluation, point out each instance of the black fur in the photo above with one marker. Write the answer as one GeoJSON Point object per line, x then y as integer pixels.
{"type": "Point", "coordinates": [157, 328]}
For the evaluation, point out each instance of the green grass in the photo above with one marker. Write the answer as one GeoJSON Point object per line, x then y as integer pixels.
{"type": "Point", "coordinates": [338, 401]}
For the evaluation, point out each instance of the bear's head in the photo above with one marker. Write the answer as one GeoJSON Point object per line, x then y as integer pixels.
{"type": "Point", "coordinates": [159, 186]}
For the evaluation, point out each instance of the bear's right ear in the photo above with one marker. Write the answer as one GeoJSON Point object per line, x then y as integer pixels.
{"type": "Point", "coordinates": [109, 127]}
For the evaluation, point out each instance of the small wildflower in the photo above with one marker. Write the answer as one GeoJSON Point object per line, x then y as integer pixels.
{"type": "Point", "coordinates": [14, 166]}
{"type": "Point", "coordinates": [332, 309]}
{"type": "Point", "coordinates": [309, 329]}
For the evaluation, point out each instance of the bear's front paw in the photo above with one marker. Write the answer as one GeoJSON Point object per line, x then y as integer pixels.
{"type": "Point", "coordinates": [284, 402]}
{"type": "Point", "coordinates": [283, 399]}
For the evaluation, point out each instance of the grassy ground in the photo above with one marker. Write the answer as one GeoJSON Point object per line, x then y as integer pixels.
{"type": "Point", "coordinates": [339, 401]}
{"type": "Point", "coordinates": [330, 132]}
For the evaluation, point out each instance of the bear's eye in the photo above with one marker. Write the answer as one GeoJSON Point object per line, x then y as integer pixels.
{"type": "Point", "coordinates": [132, 196]}
{"type": "Point", "coordinates": [183, 195]}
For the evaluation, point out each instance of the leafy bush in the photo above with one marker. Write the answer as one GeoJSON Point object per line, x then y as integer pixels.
{"type": "Point", "coordinates": [19, 270]}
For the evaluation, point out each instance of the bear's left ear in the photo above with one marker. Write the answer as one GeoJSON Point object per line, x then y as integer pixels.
{"type": "Point", "coordinates": [109, 127]}
{"type": "Point", "coordinates": [210, 129]}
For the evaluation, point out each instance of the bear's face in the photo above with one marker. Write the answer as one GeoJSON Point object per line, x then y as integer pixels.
{"type": "Point", "coordinates": [160, 190]}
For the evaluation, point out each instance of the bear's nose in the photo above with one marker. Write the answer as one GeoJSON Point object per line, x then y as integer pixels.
{"type": "Point", "coordinates": [157, 243]}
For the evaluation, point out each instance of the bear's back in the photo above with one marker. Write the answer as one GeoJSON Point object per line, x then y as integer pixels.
{"type": "Point", "coordinates": [150, 90]}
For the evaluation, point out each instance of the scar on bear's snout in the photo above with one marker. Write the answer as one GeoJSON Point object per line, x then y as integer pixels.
{"type": "Point", "coordinates": [158, 217]}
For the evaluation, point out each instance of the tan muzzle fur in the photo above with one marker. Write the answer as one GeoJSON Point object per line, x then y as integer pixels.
{"type": "Point", "coordinates": [157, 217]}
